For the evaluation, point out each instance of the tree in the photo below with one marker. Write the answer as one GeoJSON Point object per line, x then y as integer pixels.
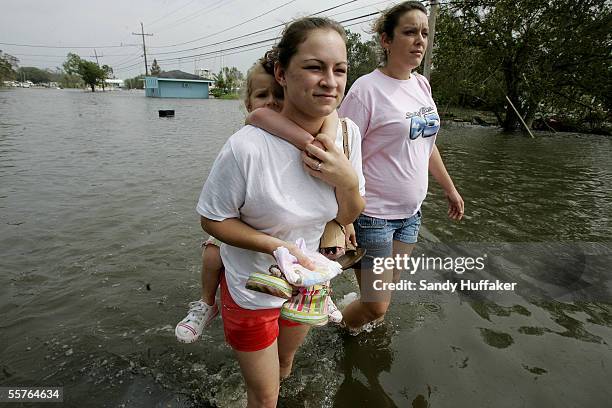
{"type": "Point", "coordinates": [91, 74]}
{"type": "Point", "coordinates": [89, 71]}
{"type": "Point", "coordinates": [108, 73]}
{"type": "Point", "coordinates": [533, 51]}
{"type": "Point", "coordinates": [362, 58]}
{"type": "Point", "coordinates": [64, 79]}
{"type": "Point", "coordinates": [70, 81]}
{"type": "Point", "coordinates": [155, 70]}
{"type": "Point", "coordinates": [228, 81]}
{"type": "Point", "coordinates": [219, 89]}
{"type": "Point", "coordinates": [135, 83]}
{"type": "Point", "coordinates": [8, 64]}
{"type": "Point", "coordinates": [34, 74]}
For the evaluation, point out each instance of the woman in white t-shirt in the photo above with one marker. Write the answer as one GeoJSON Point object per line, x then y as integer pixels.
{"type": "Point", "coordinates": [399, 122]}
{"type": "Point", "coordinates": [263, 193]}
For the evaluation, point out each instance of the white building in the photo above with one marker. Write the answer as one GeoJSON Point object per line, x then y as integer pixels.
{"type": "Point", "coordinates": [112, 84]}
{"type": "Point", "coordinates": [204, 73]}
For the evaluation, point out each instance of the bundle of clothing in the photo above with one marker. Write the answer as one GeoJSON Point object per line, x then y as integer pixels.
{"type": "Point", "coordinates": [307, 291]}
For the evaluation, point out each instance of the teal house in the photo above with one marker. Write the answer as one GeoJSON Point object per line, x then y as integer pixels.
{"type": "Point", "coordinates": [177, 84]}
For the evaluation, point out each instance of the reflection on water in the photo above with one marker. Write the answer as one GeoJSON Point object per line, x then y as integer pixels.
{"type": "Point", "coordinates": [100, 245]}
{"type": "Point", "coordinates": [365, 358]}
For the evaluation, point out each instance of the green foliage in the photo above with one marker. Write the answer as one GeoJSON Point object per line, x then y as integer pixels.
{"type": "Point", "coordinates": [36, 75]}
{"type": "Point", "coordinates": [135, 83]}
{"type": "Point", "coordinates": [217, 92]}
{"type": "Point", "coordinates": [108, 71]}
{"type": "Point", "coordinates": [362, 57]}
{"type": "Point", "coordinates": [72, 64]}
{"type": "Point", "coordinates": [155, 69]}
{"type": "Point", "coordinates": [227, 81]}
{"type": "Point", "coordinates": [229, 96]}
{"type": "Point", "coordinates": [70, 81]}
{"type": "Point", "coordinates": [92, 74]}
{"type": "Point", "coordinates": [8, 64]}
{"type": "Point", "coordinates": [541, 54]}
{"type": "Point", "coordinates": [89, 71]}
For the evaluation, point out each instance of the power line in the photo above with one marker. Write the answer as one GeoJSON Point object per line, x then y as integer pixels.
{"type": "Point", "coordinates": [237, 51]}
{"type": "Point", "coordinates": [258, 42]}
{"type": "Point", "coordinates": [70, 46]}
{"type": "Point", "coordinates": [362, 7]}
{"type": "Point", "coordinates": [229, 28]}
{"type": "Point", "coordinates": [195, 15]}
{"type": "Point", "coordinates": [240, 36]}
{"type": "Point", "coordinates": [64, 56]}
{"type": "Point", "coordinates": [132, 57]}
{"type": "Point", "coordinates": [149, 24]}
{"type": "Point", "coordinates": [332, 8]}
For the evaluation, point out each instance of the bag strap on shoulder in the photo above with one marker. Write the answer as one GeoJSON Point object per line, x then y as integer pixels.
{"type": "Point", "coordinates": [345, 144]}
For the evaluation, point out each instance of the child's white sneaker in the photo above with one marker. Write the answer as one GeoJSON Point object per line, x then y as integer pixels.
{"type": "Point", "coordinates": [200, 316]}
{"type": "Point", "coordinates": [334, 315]}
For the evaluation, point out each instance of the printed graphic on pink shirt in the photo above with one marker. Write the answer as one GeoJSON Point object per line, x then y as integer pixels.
{"type": "Point", "coordinates": [424, 123]}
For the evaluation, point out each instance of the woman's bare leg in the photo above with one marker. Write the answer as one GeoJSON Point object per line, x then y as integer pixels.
{"type": "Point", "coordinates": [373, 304]}
{"type": "Point", "coordinates": [260, 371]}
{"type": "Point", "coordinates": [290, 338]}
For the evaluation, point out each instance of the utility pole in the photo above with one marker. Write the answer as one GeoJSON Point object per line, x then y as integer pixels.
{"type": "Point", "coordinates": [96, 55]}
{"type": "Point", "coordinates": [144, 47]}
{"type": "Point", "coordinates": [433, 13]}
{"type": "Point", "coordinates": [98, 62]}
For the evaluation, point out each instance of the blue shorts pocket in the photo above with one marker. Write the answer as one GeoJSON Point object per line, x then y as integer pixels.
{"type": "Point", "coordinates": [365, 221]}
{"type": "Point", "coordinates": [373, 234]}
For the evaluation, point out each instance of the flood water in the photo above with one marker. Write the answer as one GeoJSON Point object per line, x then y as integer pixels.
{"type": "Point", "coordinates": [100, 255]}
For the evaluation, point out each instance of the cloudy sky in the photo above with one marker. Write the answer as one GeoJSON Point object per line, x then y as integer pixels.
{"type": "Point", "coordinates": [184, 31]}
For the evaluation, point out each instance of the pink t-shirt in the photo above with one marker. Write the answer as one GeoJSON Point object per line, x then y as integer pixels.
{"type": "Point", "coordinates": [399, 122]}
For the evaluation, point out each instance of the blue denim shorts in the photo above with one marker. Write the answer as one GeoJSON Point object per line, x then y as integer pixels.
{"type": "Point", "coordinates": [376, 235]}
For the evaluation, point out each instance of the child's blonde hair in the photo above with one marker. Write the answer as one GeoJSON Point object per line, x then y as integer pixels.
{"type": "Point", "coordinates": [264, 65]}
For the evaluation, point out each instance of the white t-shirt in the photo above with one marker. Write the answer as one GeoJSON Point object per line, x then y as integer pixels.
{"type": "Point", "coordinates": [259, 178]}
{"type": "Point", "coordinates": [398, 120]}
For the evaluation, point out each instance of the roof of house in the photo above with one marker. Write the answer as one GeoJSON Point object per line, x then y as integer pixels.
{"type": "Point", "coordinates": [176, 74]}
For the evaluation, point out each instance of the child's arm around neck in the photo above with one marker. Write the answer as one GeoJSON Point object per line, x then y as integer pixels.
{"type": "Point", "coordinates": [278, 125]}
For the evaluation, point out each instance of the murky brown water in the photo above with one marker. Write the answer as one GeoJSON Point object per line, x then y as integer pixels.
{"type": "Point", "coordinates": [97, 200]}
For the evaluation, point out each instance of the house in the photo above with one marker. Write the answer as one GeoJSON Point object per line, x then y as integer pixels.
{"type": "Point", "coordinates": [112, 84]}
{"type": "Point", "coordinates": [177, 84]}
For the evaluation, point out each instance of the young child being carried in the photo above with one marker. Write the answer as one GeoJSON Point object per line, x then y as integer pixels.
{"type": "Point", "coordinates": [262, 91]}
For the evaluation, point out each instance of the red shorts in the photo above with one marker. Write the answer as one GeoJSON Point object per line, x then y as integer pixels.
{"type": "Point", "coordinates": [249, 330]}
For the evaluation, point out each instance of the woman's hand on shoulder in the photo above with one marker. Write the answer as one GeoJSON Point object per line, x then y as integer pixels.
{"type": "Point", "coordinates": [329, 165]}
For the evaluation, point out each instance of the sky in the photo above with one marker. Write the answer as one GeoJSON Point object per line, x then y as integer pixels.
{"type": "Point", "coordinates": [180, 28]}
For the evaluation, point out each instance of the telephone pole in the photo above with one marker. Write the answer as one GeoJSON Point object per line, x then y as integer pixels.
{"type": "Point", "coordinates": [433, 12]}
{"type": "Point", "coordinates": [144, 47]}
{"type": "Point", "coordinates": [98, 62]}
{"type": "Point", "coordinates": [96, 55]}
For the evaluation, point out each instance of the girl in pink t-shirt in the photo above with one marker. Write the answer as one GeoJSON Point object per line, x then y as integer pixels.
{"type": "Point", "coordinates": [399, 122]}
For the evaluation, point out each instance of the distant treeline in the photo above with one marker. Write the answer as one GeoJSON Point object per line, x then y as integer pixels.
{"type": "Point", "coordinates": [37, 75]}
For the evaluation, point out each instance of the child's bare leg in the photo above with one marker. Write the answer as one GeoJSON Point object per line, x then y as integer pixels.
{"type": "Point", "coordinates": [211, 272]}
{"type": "Point", "coordinates": [202, 312]}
